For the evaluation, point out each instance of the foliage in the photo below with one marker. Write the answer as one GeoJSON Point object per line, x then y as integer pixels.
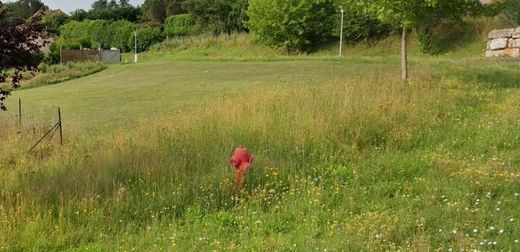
{"type": "Point", "coordinates": [422, 15]}
{"type": "Point", "coordinates": [219, 16]}
{"type": "Point", "coordinates": [109, 11]}
{"type": "Point", "coordinates": [53, 74]}
{"type": "Point", "coordinates": [358, 24]}
{"type": "Point", "coordinates": [178, 25]}
{"type": "Point", "coordinates": [24, 9]}
{"type": "Point", "coordinates": [146, 37]}
{"type": "Point", "coordinates": [20, 44]}
{"type": "Point", "coordinates": [52, 23]}
{"type": "Point", "coordinates": [99, 33]}
{"type": "Point", "coordinates": [295, 25]}
{"type": "Point", "coordinates": [157, 10]}
{"type": "Point", "coordinates": [510, 12]}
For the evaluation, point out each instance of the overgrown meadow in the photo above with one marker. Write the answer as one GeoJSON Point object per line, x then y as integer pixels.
{"type": "Point", "coordinates": [364, 163]}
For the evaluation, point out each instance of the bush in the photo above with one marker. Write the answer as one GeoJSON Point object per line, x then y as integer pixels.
{"type": "Point", "coordinates": [178, 25]}
{"type": "Point", "coordinates": [294, 24]}
{"type": "Point", "coordinates": [121, 31]}
{"type": "Point", "coordinates": [357, 24]}
{"type": "Point", "coordinates": [100, 33]}
{"type": "Point", "coordinates": [146, 37]}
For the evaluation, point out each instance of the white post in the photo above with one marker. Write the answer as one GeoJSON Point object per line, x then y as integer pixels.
{"type": "Point", "coordinates": [135, 46]}
{"type": "Point", "coordinates": [341, 34]}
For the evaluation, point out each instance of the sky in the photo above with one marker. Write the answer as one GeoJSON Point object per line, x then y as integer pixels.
{"type": "Point", "coordinates": [71, 5]}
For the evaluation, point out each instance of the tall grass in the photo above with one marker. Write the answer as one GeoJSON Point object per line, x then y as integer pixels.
{"type": "Point", "coordinates": [54, 74]}
{"type": "Point", "coordinates": [175, 169]}
{"type": "Point", "coordinates": [360, 164]}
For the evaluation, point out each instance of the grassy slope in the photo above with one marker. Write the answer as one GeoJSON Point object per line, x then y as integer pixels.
{"type": "Point", "coordinates": [351, 160]}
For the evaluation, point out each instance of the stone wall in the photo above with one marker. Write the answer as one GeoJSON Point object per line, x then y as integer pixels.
{"type": "Point", "coordinates": [504, 43]}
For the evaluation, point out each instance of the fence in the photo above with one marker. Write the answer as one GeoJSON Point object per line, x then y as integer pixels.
{"type": "Point", "coordinates": [34, 123]}
{"type": "Point", "coordinates": [84, 54]}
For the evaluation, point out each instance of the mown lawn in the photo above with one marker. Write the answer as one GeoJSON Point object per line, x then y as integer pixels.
{"type": "Point", "coordinates": [347, 158]}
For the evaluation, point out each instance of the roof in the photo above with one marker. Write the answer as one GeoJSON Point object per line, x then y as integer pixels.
{"type": "Point", "coordinates": [42, 12]}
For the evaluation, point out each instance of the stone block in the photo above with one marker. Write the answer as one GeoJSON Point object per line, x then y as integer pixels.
{"type": "Point", "coordinates": [516, 33]}
{"type": "Point", "coordinates": [514, 43]}
{"type": "Point", "coordinates": [504, 33]}
{"type": "Point", "coordinates": [506, 53]}
{"type": "Point", "coordinates": [498, 44]}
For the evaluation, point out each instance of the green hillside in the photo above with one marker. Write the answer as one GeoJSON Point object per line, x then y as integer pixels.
{"type": "Point", "coordinates": [347, 157]}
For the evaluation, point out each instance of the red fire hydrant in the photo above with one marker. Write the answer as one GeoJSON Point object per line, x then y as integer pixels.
{"type": "Point", "coordinates": [241, 161]}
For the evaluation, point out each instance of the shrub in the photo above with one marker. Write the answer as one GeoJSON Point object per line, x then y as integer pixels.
{"type": "Point", "coordinates": [121, 31]}
{"type": "Point", "coordinates": [293, 24]}
{"type": "Point", "coordinates": [357, 24]}
{"type": "Point", "coordinates": [99, 33]}
{"type": "Point", "coordinates": [146, 37]}
{"type": "Point", "coordinates": [178, 25]}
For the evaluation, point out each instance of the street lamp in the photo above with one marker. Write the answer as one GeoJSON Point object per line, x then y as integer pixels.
{"type": "Point", "coordinates": [135, 46]}
{"type": "Point", "coordinates": [341, 34]}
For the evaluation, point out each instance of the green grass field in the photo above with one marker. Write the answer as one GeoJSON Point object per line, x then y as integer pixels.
{"type": "Point", "coordinates": [348, 158]}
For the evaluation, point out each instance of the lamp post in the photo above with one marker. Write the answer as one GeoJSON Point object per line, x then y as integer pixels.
{"type": "Point", "coordinates": [135, 46]}
{"type": "Point", "coordinates": [341, 34]}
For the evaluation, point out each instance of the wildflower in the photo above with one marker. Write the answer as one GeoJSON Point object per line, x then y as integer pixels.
{"type": "Point", "coordinates": [494, 243]}
{"type": "Point", "coordinates": [440, 230]}
{"type": "Point", "coordinates": [516, 241]}
{"type": "Point", "coordinates": [492, 228]}
{"type": "Point", "coordinates": [481, 243]}
{"type": "Point", "coordinates": [454, 231]}
{"type": "Point", "coordinates": [498, 208]}
{"type": "Point", "coordinates": [511, 220]}
{"type": "Point", "coordinates": [501, 231]}
{"type": "Point", "coordinates": [475, 230]}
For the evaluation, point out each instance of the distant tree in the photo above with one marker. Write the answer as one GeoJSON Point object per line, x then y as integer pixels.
{"type": "Point", "coordinates": [52, 23]}
{"type": "Point", "coordinates": [219, 15]}
{"type": "Point", "coordinates": [174, 7]}
{"type": "Point", "coordinates": [100, 4]}
{"type": "Point", "coordinates": [157, 10]}
{"type": "Point", "coordinates": [113, 11]}
{"type": "Point", "coordinates": [19, 43]}
{"type": "Point", "coordinates": [24, 9]}
{"type": "Point", "coordinates": [79, 15]}
{"type": "Point", "coordinates": [123, 3]}
{"type": "Point", "coordinates": [113, 4]}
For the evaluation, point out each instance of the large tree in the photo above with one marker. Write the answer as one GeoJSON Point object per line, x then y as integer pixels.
{"type": "Point", "coordinates": [158, 10]}
{"type": "Point", "coordinates": [421, 15]}
{"type": "Point", "coordinates": [24, 9]}
{"type": "Point", "coordinates": [19, 43]}
{"type": "Point", "coordinates": [218, 16]}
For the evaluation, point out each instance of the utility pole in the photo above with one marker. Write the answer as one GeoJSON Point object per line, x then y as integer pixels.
{"type": "Point", "coordinates": [341, 34]}
{"type": "Point", "coordinates": [135, 46]}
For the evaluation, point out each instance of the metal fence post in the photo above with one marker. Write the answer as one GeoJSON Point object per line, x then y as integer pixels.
{"type": "Point", "coordinates": [61, 125]}
{"type": "Point", "coordinates": [20, 114]}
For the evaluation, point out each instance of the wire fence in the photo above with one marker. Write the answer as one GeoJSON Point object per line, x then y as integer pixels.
{"type": "Point", "coordinates": [34, 123]}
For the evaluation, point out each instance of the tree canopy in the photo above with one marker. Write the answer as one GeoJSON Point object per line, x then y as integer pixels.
{"type": "Point", "coordinates": [19, 44]}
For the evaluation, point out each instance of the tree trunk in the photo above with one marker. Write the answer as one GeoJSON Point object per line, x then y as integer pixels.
{"type": "Point", "coordinates": [404, 55]}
